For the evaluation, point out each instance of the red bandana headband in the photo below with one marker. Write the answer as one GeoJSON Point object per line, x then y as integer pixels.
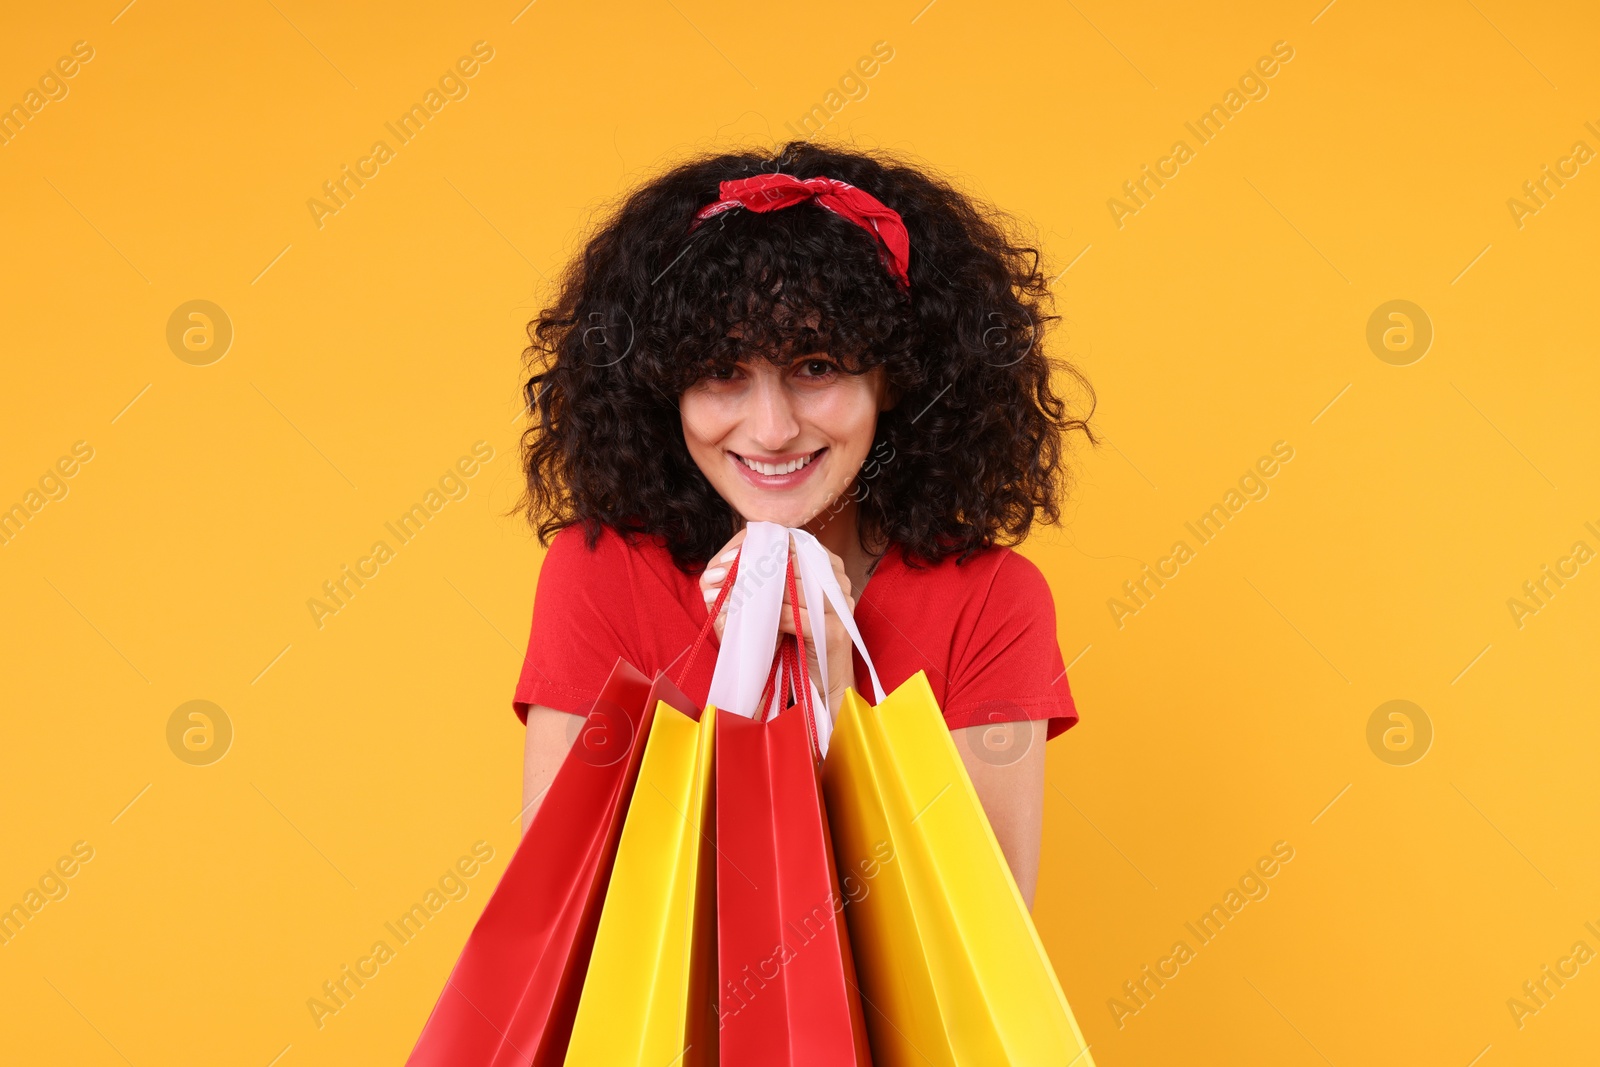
{"type": "Point", "coordinates": [771, 192]}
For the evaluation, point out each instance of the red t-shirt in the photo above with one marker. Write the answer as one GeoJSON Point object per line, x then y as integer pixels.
{"type": "Point", "coordinates": [984, 631]}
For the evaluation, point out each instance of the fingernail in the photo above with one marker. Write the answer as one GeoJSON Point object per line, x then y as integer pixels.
{"type": "Point", "coordinates": [711, 594]}
{"type": "Point", "coordinates": [728, 556]}
{"type": "Point", "coordinates": [715, 574]}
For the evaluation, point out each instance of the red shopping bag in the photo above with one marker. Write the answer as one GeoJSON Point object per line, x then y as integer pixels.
{"type": "Point", "coordinates": [514, 991]}
{"type": "Point", "coordinates": [787, 981]}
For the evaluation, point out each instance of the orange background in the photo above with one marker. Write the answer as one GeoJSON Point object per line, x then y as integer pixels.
{"type": "Point", "coordinates": [1230, 312]}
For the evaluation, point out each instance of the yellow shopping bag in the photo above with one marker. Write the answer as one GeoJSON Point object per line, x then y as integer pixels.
{"type": "Point", "coordinates": [952, 971]}
{"type": "Point", "coordinates": [649, 996]}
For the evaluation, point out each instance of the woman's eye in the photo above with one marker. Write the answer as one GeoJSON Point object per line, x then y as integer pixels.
{"type": "Point", "coordinates": [817, 368]}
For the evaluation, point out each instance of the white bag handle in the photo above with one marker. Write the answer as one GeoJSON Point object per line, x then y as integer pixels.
{"type": "Point", "coordinates": [750, 633]}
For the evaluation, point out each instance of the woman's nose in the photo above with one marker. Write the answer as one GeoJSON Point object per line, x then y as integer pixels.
{"type": "Point", "coordinates": [773, 424]}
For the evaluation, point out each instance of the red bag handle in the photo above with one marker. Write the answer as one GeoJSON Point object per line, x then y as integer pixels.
{"type": "Point", "coordinates": [800, 677]}
{"type": "Point", "coordinates": [711, 619]}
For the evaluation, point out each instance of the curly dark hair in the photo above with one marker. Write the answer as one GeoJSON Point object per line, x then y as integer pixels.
{"type": "Point", "coordinates": [971, 454]}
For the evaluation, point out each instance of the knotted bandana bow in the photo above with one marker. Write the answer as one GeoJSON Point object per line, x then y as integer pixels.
{"type": "Point", "coordinates": [772, 192]}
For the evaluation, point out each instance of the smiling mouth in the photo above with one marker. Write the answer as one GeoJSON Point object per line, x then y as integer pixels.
{"type": "Point", "coordinates": [778, 470]}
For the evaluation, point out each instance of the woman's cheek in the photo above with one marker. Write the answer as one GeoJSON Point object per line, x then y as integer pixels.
{"type": "Point", "coordinates": [848, 414]}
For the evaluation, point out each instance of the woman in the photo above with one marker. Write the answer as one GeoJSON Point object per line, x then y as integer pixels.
{"type": "Point", "coordinates": [829, 340]}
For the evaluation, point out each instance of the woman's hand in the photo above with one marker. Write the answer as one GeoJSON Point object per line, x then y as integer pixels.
{"type": "Point", "coordinates": [841, 663]}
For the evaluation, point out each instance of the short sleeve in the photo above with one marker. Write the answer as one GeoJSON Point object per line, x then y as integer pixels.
{"type": "Point", "coordinates": [583, 619]}
{"type": "Point", "coordinates": [1007, 666]}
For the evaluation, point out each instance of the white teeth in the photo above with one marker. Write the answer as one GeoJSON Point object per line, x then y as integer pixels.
{"type": "Point", "coordinates": [774, 469]}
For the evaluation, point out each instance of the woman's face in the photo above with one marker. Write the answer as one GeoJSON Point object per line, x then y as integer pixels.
{"type": "Point", "coordinates": [780, 444]}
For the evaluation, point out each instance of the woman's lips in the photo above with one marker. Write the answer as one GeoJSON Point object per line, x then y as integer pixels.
{"type": "Point", "coordinates": [775, 481]}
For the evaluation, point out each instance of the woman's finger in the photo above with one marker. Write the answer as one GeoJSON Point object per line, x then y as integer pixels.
{"type": "Point", "coordinates": [834, 628]}
{"type": "Point", "coordinates": [844, 587]}
{"type": "Point", "coordinates": [786, 621]}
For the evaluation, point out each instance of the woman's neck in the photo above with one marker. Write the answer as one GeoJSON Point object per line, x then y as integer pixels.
{"type": "Point", "coordinates": [840, 533]}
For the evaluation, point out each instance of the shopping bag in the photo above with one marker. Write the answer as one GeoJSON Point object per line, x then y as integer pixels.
{"type": "Point", "coordinates": [786, 975]}
{"type": "Point", "coordinates": [649, 997]}
{"type": "Point", "coordinates": [952, 971]}
{"type": "Point", "coordinates": [514, 990]}
{"type": "Point", "coordinates": [786, 978]}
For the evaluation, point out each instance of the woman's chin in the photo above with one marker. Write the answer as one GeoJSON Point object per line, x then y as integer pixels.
{"type": "Point", "coordinates": [779, 516]}
{"type": "Point", "coordinates": [793, 514]}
